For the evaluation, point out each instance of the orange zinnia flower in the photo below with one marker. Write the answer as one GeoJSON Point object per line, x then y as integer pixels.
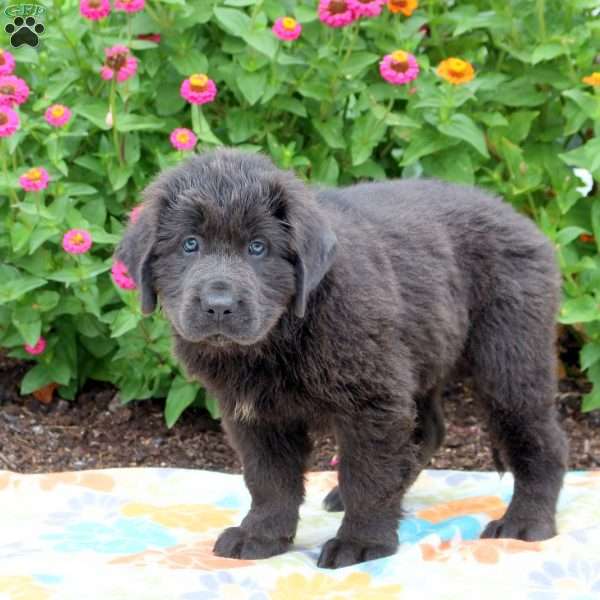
{"type": "Point", "coordinates": [593, 79]}
{"type": "Point", "coordinates": [406, 7]}
{"type": "Point", "coordinates": [456, 71]}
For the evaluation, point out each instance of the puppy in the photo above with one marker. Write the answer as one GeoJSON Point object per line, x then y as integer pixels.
{"type": "Point", "coordinates": [349, 309]}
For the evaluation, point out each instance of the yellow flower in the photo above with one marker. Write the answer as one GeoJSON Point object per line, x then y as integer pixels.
{"type": "Point", "coordinates": [593, 79]}
{"type": "Point", "coordinates": [21, 588]}
{"type": "Point", "coordinates": [456, 71]}
{"type": "Point", "coordinates": [357, 586]}
{"type": "Point", "coordinates": [193, 517]}
{"type": "Point", "coordinates": [198, 82]}
{"type": "Point", "coordinates": [289, 23]}
{"type": "Point", "coordinates": [406, 7]}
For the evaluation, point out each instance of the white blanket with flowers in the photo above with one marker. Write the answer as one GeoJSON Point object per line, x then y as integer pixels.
{"type": "Point", "coordinates": [142, 534]}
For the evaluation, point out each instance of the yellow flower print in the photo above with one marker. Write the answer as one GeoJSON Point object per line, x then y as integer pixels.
{"type": "Point", "coordinates": [357, 586]}
{"type": "Point", "coordinates": [21, 588]}
{"type": "Point", "coordinates": [193, 517]}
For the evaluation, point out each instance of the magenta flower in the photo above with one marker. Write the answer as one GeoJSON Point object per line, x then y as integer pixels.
{"type": "Point", "coordinates": [37, 348]}
{"type": "Point", "coordinates": [35, 179]}
{"type": "Point", "coordinates": [399, 67]}
{"type": "Point", "coordinates": [183, 139]}
{"type": "Point", "coordinates": [198, 89]}
{"type": "Point", "coordinates": [57, 115]}
{"type": "Point", "coordinates": [7, 63]}
{"type": "Point", "coordinates": [130, 6]}
{"type": "Point", "coordinates": [134, 215]}
{"type": "Point", "coordinates": [287, 29]}
{"type": "Point", "coordinates": [9, 121]}
{"type": "Point", "coordinates": [77, 241]}
{"type": "Point", "coordinates": [120, 63]}
{"type": "Point", "coordinates": [366, 8]}
{"type": "Point", "coordinates": [121, 276]}
{"type": "Point", "coordinates": [336, 13]}
{"type": "Point", "coordinates": [13, 90]}
{"type": "Point", "coordinates": [94, 10]}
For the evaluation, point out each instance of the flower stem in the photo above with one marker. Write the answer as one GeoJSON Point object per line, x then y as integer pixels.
{"type": "Point", "coordinates": [196, 119]}
{"type": "Point", "coordinates": [541, 15]}
{"type": "Point", "coordinates": [113, 112]}
{"type": "Point", "coordinates": [13, 194]}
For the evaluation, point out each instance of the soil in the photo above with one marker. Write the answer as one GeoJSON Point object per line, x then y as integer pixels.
{"type": "Point", "coordinates": [97, 431]}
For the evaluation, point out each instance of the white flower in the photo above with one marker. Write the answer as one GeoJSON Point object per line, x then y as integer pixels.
{"type": "Point", "coordinates": [109, 119]}
{"type": "Point", "coordinates": [586, 178]}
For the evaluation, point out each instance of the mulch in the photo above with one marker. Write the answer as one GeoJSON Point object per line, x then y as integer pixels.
{"type": "Point", "coordinates": [97, 431]}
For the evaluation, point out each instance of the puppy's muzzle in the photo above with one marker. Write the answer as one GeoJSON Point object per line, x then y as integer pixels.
{"type": "Point", "coordinates": [219, 301]}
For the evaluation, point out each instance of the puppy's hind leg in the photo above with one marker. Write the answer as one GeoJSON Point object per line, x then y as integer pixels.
{"type": "Point", "coordinates": [514, 375]}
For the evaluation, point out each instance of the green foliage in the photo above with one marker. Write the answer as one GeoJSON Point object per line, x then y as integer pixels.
{"type": "Point", "coordinates": [317, 105]}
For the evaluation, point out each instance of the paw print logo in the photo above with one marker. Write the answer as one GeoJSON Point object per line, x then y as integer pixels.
{"type": "Point", "coordinates": [24, 31]}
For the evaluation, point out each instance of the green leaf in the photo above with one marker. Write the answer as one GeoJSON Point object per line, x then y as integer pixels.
{"type": "Point", "coordinates": [181, 394]}
{"type": "Point", "coordinates": [232, 21]}
{"type": "Point", "coordinates": [94, 111]}
{"type": "Point", "coordinates": [332, 132]}
{"type": "Point", "coordinates": [73, 189]}
{"type": "Point", "coordinates": [579, 310]}
{"type": "Point", "coordinates": [241, 125]}
{"type": "Point", "coordinates": [36, 378]}
{"type": "Point", "coordinates": [264, 41]}
{"type": "Point", "coordinates": [589, 355]}
{"type": "Point", "coordinates": [358, 62]}
{"type": "Point", "coordinates": [190, 62]}
{"type": "Point", "coordinates": [424, 142]}
{"type": "Point", "coordinates": [252, 85]}
{"type": "Point", "coordinates": [462, 127]}
{"type": "Point", "coordinates": [289, 104]}
{"type": "Point", "coordinates": [125, 321]}
{"type": "Point", "coordinates": [568, 234]}
{"type": "Point", "coordinates": [14, 289]}
{"type": "Point", "coordinates": [212, 405]}
{"type": "Point", "coordinates": [131, 122]}
{"type": "Point", "coordinates": [326, 171]}
{"type": "Point", "coordinates": [119, 175]}
{"type": "Point", "coordinates": [367, 132]}
{"type": "Point", "coordinates": [586, 156]}
{"type": "Point", "coordinates": [29, 324]}
{"type": "Point", "coordinates": [547, 52]}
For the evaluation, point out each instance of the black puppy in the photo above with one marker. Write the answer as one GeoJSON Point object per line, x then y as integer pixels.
{"type": "Point", "coordinates": [349, 309]}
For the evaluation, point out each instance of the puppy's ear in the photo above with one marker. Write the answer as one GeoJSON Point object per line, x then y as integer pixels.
{"type": "Point", "coordinates": [135, 250]}
{"type": "Point", "coordinates": [313, 240]}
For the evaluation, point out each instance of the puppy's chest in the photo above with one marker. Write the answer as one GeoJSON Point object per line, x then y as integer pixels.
{"type": "Point", "coordinates": [269, 391]}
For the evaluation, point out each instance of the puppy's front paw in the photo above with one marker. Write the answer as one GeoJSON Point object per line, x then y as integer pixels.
{"type": "Point", "coordinates": [235, 542]}
{"type": "Point", "coordinates": [528, 530]}
{"type": "Point", "coordinates": [338, 553]}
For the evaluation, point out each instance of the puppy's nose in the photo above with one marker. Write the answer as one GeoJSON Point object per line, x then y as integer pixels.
{"type": "Point", "coordinates": [218, 300]}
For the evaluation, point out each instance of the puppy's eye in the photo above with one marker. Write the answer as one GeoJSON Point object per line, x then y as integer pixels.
{"type": "Point", "coordinates": [190, 245]}
{"type": "Point", "coordinates": [257, 248]}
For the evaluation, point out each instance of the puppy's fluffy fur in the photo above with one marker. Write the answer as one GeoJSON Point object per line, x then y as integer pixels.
{"type": "Point", "coordinates": [362, 305]}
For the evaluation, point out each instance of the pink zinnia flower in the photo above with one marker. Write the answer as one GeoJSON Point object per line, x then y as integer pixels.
{"type": "Point", "coordinates": [34, 180]}
{"type": "Point", "coordinates": [9, 121]}
{"type": "Point", "coordinates": [57, 115]}
{"type": "Point", "coordinates": [399, 67]}
{"type": "Point", "coordinates": [119, 60]}
{"type": "Point", "coordinates": [287, 29]}
{"type": "Point", "coordinates": [366, 8]}
{"type": "Point", "coordinates": [37, 348]}
{"type": "Point", "coordinates": [336, 13]}
{"type": "Point", "coordinates": [13, 90]}
{"type": "Point", "coordinates": [94, 10]}
{"type": "Point", "coordinates": [183, 139]}
{"type": "Point", "coordinates": [198, 89]}
{"type": "Point", "coordinates": [77, 241]}
{"type": "Point", "coordinates": [134, 215]}
{"type": "Point", "coordinates": [130, 6]}
{"type": "Point", "coordinates": [7, 63]}
{"type": "Point", "coordinates": [150, 37]}
{"type": "Point", "coordinates": [121, 276]}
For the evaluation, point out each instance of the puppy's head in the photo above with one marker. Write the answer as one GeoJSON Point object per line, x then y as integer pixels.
{"type": "Point", "coordinates": [228, 243]}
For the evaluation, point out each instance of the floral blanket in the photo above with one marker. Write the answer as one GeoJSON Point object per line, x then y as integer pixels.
{"type": "Point", "coordinates": [141, 534]}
